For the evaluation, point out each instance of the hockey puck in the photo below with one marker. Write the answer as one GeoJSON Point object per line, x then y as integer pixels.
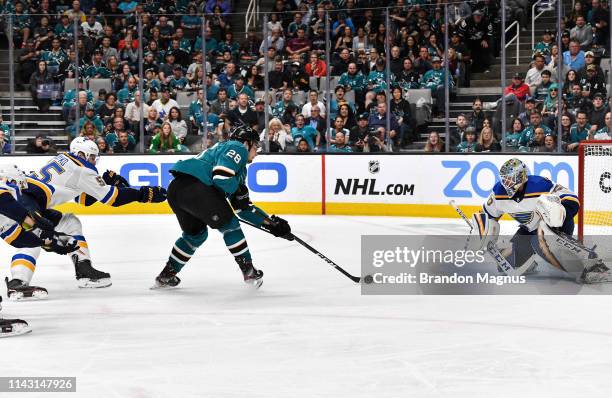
{"type": "Point", "coordinates": [368, 279]}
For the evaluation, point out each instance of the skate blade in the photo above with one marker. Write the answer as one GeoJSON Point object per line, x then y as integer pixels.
{"type": "Point", "coordinates": [85, 283]}
{"type": "Point", "coordinates": [18, 329]}
{"type": "Point", "coordinates": [38, 295]}
{"type": "Point", "coordinates": [254, 283]}
{"type": "Point", "coordinates": [159, 286]}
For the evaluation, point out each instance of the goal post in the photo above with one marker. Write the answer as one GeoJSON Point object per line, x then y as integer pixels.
{"type": "Point", "coordinates": [595, 188]}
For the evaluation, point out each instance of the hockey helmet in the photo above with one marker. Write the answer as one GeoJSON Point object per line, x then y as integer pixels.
{"type": "Point", "coordinates": [244, 133]}
{"type": "Point", "coordinates": [13, 174]}
{"type": "Point", "coordinates": [85, 149]}
{"type": "Point", "coordinates": [513, 174]}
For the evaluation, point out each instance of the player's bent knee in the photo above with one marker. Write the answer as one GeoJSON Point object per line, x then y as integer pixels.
{"type": "Point", "coordinates": [196, 240]}
{"type": "Point", "coordinates": [232, 225]}
{"type": "Point", "coordinates": [70, 224]}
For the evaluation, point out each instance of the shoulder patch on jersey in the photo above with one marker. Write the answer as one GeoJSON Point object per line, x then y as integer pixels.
{"type": "Point", "coordinates": [100, 181]}
{"type": "Point", "coordinates": [490, 200]}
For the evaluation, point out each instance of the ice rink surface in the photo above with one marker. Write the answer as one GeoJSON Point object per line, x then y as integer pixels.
{"type": "Point", "coordinates": [307, 332]}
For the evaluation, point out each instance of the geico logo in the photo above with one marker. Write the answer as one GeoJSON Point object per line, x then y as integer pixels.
{"type": "Point", "coordinates": [367, 186]}
{"type": "Point", "coordinates": [471, 172]}
{"type": "Point", "coordinates": [143, 174]}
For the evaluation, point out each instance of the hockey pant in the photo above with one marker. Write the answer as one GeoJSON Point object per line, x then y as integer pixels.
{"type": "Point", "coordinates": [23, 263]}
{"type": "Point", "coordinates": [198, 206]}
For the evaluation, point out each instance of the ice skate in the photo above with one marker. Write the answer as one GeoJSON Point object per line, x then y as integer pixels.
{"type": "Point", "coordinates": [17, 290]}
{"type": "Point", "coordinates": [167, 278]}
{"type": "Point", "coordinates": [13, 327]}
{"type": "Point", "coordinates": [88, 277]}
{"type": "Point", "coordinates": [252, 276]}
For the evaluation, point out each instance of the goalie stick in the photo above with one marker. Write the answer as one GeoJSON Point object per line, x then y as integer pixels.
{"type": "Point", "coordinates": [356, 279]}
{"type": "Point", "coordinates": [493, 250]}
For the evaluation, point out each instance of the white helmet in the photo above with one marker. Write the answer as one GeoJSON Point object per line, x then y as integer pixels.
{"type": "Point", "coordinates": [86, 147]}
{"type": "Point", "coordinates": [12, 173]}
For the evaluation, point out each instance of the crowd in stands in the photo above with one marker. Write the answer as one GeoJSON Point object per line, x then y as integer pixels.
{"type": "Point", "coordinates": [369, 109]}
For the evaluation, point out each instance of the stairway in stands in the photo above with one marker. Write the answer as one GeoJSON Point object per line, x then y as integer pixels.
{"type": "Point", "coordinates": [29, 121]}
{"type": "Point", "coordinates": [488, 86]}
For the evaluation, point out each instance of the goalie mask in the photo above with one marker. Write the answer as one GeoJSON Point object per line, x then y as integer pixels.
{"type": "Point", "coordinates": [513, 174]}
{"type": "Point", "coordinates": [12, 174]}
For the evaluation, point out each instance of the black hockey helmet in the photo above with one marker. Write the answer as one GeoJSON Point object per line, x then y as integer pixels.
{"type": "Point", "coordinates": [244, 133]}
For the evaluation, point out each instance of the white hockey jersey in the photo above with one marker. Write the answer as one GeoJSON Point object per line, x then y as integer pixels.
{"type": "Point", "coordinates": [522, 209]}
{"type": "Point", "coordinates": [67, 177]}
{"type": "Point", "coordinates": [9, 229]}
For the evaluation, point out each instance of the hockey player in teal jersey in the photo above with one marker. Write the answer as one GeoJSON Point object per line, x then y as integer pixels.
{"type": "Point", "coordinates": [199, 196]}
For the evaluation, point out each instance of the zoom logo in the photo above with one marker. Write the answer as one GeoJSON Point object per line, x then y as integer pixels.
{"type": "Point", "coordinates": [471, 175]}
{"type": "Point", "coordinates": [267, 177]}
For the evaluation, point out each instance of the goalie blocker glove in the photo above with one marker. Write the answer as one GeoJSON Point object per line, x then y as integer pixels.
{"type": "Point", "coordinates": [152, 194]}
{"type": "Point", "coordinates": [278, 227]}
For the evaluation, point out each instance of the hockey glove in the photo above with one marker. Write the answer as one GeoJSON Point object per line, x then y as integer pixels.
{"type": "Point", "coordinates": [40, 222]}
{"type": "Point", "coordinates": [152, 194]}
{"type": "Point", "coordinates": [279, 227]}
{"type": "Point", "coordinates": [240, 199]}
{"type": "Point", "coordinates": [112, 178]}
{"type": "Point", "coordinates": [58, 243]}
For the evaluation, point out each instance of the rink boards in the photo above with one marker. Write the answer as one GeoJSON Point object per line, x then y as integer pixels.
{"type": "Point", "coordinates": [352, 184]}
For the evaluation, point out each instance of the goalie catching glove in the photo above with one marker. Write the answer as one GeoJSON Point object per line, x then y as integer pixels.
{"type": "Point", "coordinates": [152, 194]}
{"type": "Point", "coordinates": [551, 210]}
{"type": "Point", "coordinates": [278, 227]}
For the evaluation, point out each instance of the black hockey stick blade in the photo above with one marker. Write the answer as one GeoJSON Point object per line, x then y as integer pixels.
{"type": "Point", "coordinates": [354, 278]}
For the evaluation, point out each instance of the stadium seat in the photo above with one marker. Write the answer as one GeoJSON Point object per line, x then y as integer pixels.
{"type": "Point", "coordinates": [350, 96]}
{"type": "Point", "coordinates": [96, 85]}
{"type": "Point", "coordinates": [69, 84]}
{"type": "Point", "coordinates": [184, 98]}
{"type": "Point", "coordinates": [414, 95]}
{"type": "Point", "coordinates": [314, 83]}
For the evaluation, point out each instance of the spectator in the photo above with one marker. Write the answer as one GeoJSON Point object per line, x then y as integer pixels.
{"type": "Point", "coordinates": [549, 109]}
{"type": "Point", "coordinates": [274, 40]}
{"type": "Point", "coordinates": [123, 144]}
{"type": "Point", "coordinates": [582, 33]}
{"type": "Point", "coordinates": [278, 78]}
{"type": "Point", "coordinates": [433, 79]}
{"type": "Point", "coordinates": [152, 122]}
{"type": "Point", "coordinates": [340, 144]}
{"type": "Point", "coordinates": [91, 117]}
{"type": "Point", "coordinates": [341, 65]}
{"type": "Point", "coordinates": [40, 144]}
{"type": "Point", "coordinates": [109, 106]}
{"type": "Point", "coordinates": [316, 121]}
{"type": "Point", "coordinates": [514, 94]}
{"type": "Point", "coordinates": [478, 33]}
{"type": "Point", "coordinates": [303, 146]}
{"type": "Point", "coordinates": [566, 127]}
{"type": "Point", "coordinates": [238, 87]}
{"type": "Point", "coordinates": [221, 106]}
{"type": "Point", "coordinates": [79, 107]}
{"type": "Point", "coordinates": [347, 115]}
{"type": "Point", "coordinates": [297, 79]}
{"type": "Point", "coordinates": [249, 50]}
{"type": "Point", "coordinates": [571, 77]}
{"type": "Point", "coordinates": [528, 134]}
{"type": "Point", "coordinates": [178, 82]}
{"type": "Point", "coordinates": [477, 117]}
{"type": "Point", "coordinates": [598, 113]}
{"type": "Point", "coordinates": [316, 67]}
{"type": "Point", "coordinates": [604, 131]}
{"type": "Point", "coordinates": [313, 101]}
{"type": "Point", "coordinates": [408, 78]}
{"type": "Point", "coordinates": [514, 135]}
{"type": "Point", "coordinates": [487, 142]}
{"type": "Point", "coordinates": [102, 146]}
{"type": "Point", "coordinates": [254, 79]}
{"type": "Point", "coordinates": [574, 57]}
{"type": "Point", "coordinates": [580, 131]}
{"type": "Point", "coordinates": [242, 113]}
{"type": "Point", "coordinates": [132, 110]}
{"type": "Point", "coordinates": [277, 136]}
{"type": "Point", "coordinates": [434, 143]}
{"type": "Point", "coordinates": [338, 128]}
{"type": "Point", "coordinates": [534, 75]}
{"type": "Point", "coordinates": [592, 83]}
{"type": "Point", "coordinates": [227, 78]}
{"type": "Point", "coordinates": [5, 146]}
{"type": "Point", "coordinates": [538, 140]}
{"type": "Point", "coordinates": [545, 46]}
{"type": "Point", "coordinates": [301, 131]}
{"type": "Point", "coordinates": [353, 80]}
{"type": "Point", "coordinates": [89, 131]}
{"type": "Point", "coordinates": [164, 104]}
{"type": "Point", "coordinates": [589, 59]}
{"type": "Point", "coordinates": [285, 102]}
{"type": "Point", "coordinates": [542, 89]}
{"type": "Point", "coordinates": [42, 87]}
{"type": "Point", "coordinates": [400, 108]}
{"type": "Point", "coordinates": [117, 127]}
{"type": "Point", "coordinates": [300, 44]}
{"type": "Point", "coordinates": [196, 112]}
{"type": "Point", "coordinates": [165, 140]}
{"type": "Point", "coordinates": [550, 144]}
{"type": "Point", "coordinates": [469, 145]}
{"type": "Point", "coordinates": [177, 124]}
{"type": "Point", "coordinates": [28, 63]}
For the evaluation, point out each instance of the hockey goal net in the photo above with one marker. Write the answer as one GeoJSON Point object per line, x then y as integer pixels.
{"type": "Point", "coordinates": [595, 188]}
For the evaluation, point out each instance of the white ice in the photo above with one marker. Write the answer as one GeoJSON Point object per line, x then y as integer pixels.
{"type": "Point", "coordinates": [307, 333]}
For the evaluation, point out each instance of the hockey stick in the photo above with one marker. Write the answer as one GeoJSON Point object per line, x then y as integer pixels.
{"type": "Point", "coordinates": [462, 214]}
{"type": "Point", "coordinates": [355, 279]}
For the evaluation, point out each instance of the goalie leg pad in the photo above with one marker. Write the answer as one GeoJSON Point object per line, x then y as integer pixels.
{"type": "Point", "coordinates": [486, 228]}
